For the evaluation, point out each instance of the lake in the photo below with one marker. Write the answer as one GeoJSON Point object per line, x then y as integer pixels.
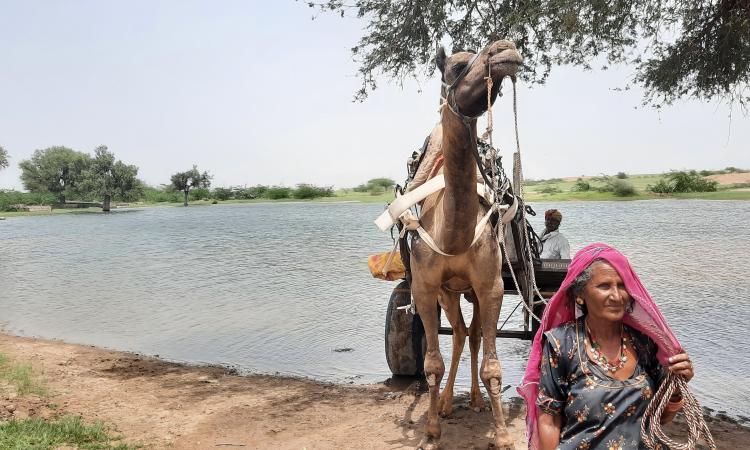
{"type": "Point", "coordinates": [276, 288]}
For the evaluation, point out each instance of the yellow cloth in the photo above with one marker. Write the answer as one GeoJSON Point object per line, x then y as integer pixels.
{"type": "Point", "coordinates": [396, 269]}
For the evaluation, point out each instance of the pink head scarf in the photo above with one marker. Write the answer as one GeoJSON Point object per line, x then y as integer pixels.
{"type": "Point", "coordinates": [645, 318]}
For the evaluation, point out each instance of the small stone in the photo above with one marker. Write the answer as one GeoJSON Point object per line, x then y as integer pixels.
{"type": "Point", "coordinates": [10, 407]}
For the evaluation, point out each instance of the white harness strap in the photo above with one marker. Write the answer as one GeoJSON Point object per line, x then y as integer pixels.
{"type": "Point", "coordinates": [406, 201]}
{"type": "Point", "coordinates": [399, 210]}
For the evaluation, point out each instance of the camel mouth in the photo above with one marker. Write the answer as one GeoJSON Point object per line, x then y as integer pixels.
{"type": "Point", "coordinates": [508, 61]}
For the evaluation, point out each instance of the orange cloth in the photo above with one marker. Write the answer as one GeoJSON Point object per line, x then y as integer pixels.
{"type": "Point", "coordinates": [396, 269]}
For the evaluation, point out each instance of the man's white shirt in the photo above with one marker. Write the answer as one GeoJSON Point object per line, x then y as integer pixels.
{"type": "Point", "coordinates": [555, 246]}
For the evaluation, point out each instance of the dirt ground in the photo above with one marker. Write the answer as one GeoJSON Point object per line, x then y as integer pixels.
{"type": "Point", "coordinates": [731, 178]}
{"type": "Point", "coordinates": [163, 405]}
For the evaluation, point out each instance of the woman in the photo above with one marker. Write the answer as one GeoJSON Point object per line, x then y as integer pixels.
{"type": "Point", "coordinates": [598, 359]}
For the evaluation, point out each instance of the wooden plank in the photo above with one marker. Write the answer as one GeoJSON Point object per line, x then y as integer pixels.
{"type": "Point", "coordinates": [513, 334]}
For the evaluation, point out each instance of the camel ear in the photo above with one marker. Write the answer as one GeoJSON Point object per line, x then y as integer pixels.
{"type": "Point", "coordinates": [440, 59]}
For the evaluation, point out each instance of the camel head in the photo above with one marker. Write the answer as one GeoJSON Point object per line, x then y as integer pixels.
{"type": "Point", "coordinates": [464, 73]}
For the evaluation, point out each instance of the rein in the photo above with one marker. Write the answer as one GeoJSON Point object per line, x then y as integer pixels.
{"type": "Point", "coordinates": [450, 101]}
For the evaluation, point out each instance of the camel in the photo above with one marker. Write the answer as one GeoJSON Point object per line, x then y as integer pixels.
{"type": "Point", "coordinates": [450, 217]}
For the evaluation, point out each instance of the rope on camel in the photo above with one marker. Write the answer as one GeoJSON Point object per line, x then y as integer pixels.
{"type": "Point", "coordinates": [651, 431]}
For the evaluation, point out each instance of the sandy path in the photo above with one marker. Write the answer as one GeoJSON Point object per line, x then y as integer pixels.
{"type": "Point", "coordinates": [164, 405]}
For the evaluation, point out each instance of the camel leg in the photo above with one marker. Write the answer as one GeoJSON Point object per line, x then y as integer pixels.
{"type": "Point", "coordinates": [452, 306]}
{"type": "Point", "coordinates": [490, 299]}
{"type": "Point", "coordinates": [425, 298]}
{"type": "Point", "coordinates": [476, 402]}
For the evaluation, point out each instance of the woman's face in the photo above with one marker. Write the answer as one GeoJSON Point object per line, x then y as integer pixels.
{"type": "Point", "coordinates": [605, 295]}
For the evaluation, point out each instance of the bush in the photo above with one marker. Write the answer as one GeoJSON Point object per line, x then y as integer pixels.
{"type": "Point", "coordinates": [683, 181]}
{"type": "Point", "coordinates": [278, 192]}
{"type": "Point", "coordinates": [10, 198]}
{"type": "Point", "coordinates": [245, 193]}
{"type": "Point", "coordinates": [308, 191]}
{"type": "Point", "coordinates": [550, 190]}
{"type": "Point", "coordinates": [199, 194]}
{"type": "Point", "coordinates": [377, 190]}
{"type": "Point", "coordinates": [222, 194]}
{"type": "Point", "coordinates": [621, 175]}
{"type": "Point", "coordinates": [691, 182]}
{"type": "Point", "coordinates": [159, 195]}
{"type": "Point", "coordinates": [385, 183]}
{"type": "Point", "coordinates": [375, 186]}
{"type": "Point", "coordinates": [581, 186]}
{"type": "Point", "coordinates": [661, 187]}
{"type": "Point", "coordinates": [622, 188]}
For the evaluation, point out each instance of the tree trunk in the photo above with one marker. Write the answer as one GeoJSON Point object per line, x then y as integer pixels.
{"type": "Point", "coordinates": [106, 203]}
{"type": "Point", "coordinates": [186, 198]}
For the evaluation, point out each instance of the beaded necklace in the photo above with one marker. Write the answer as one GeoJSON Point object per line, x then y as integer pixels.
{"type": "Point", "coordinates": [598, 354]}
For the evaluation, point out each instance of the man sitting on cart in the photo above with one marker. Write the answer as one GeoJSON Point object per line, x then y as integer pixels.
{"type": "Point", "coordinates": [554, 244]}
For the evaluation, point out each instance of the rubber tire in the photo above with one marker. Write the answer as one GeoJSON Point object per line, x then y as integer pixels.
{"type": "Point", "coordinates": [405, 344]}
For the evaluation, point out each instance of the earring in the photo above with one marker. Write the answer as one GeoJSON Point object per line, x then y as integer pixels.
{"type": "Point", "coordinates": [579, 300]}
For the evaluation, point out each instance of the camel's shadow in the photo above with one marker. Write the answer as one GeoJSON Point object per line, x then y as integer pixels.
{"type": "Point", "coordinates": [464, 428]}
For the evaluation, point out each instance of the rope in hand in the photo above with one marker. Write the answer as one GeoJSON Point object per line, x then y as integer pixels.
{"type": "Point", "coordinates": [651, 431]}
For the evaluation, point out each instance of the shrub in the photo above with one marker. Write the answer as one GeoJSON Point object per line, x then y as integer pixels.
{"type": "Point", "coordinates": [622, 188]}
{"type": "Point", "coordinates": [386, 183]}
{"type": "Point", "coordinates": [308, 191]}
{"type": "Point", "coordinates": [243, 194]}
{"type": "Point", "coordinates": [691, 182]}
{"type": "Point", "coordinates": [377, 190]}
{"type": "Point", "coordinates": [661, 187]}
{"type": "Point", "coordinates": [278, 192]}
{"type": "Point", "coordinates": [199, 194]}
{"type": "Point", "coordinates": [617, 186]}
{"type": "Point", "coordinates": [8, 199]}
{"type": "Point", "coordinates": [621, 175]}
{"type": "Point", "coordinates": [159, 195]}
{"type": "Point", "coordinates": [581, 186]}
{"type": "Point", "coordinates": [222, 194]}
{"type": "Point", "coordinates": [550, 190]}
{"type": "Point", "coordinates": [362, 188]}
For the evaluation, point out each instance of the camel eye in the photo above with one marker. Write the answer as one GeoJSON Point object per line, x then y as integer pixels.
{"type": "Point", "coordinates": [458, 68]}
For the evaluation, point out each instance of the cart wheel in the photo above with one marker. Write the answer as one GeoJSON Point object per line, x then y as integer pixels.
{"type": "Point", "coordinates": [405, 345]}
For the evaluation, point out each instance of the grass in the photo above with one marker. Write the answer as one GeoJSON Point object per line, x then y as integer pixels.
{"type": "Point", "coordinates": [22, 377]}
{"type": "Point", "coordinates": [539, 190]}
{"type": "Point", "coordinates": [534, 192]}
{"type": "Point", "coordinates": [40, 434]}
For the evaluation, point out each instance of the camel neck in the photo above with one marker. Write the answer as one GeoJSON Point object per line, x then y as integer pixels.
{"type": "Point", "coordinates": [460, 203]}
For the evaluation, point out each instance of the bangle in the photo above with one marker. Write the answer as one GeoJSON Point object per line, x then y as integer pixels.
{"type": "Point", "coordinates": [673, 407]}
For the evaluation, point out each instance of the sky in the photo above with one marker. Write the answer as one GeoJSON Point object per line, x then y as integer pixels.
{"type": "Point", "coordinates": [256, 92]}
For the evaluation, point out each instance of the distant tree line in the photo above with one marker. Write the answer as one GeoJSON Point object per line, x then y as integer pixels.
{"type": "Point", "coordinates": [57, 175]}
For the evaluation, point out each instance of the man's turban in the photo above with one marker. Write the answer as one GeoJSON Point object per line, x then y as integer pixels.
{"type": "Point", "coordinates": [553, 214]}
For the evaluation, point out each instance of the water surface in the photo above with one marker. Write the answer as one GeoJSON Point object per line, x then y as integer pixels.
{"type": "Point", "coordinates": [278, 287]}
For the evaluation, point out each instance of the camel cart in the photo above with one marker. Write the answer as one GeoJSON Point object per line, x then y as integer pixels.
{"type": "Point", "coordinates": [526, 276]}
{"type": "Point", "coordinates": [405, 345]}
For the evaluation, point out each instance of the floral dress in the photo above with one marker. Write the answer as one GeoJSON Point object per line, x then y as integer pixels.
{"type": "Point", "coordinates": [599, 412]}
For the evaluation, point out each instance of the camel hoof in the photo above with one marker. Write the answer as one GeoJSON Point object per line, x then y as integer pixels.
{"type": "Point", "coordinates": [504, 444]}
{"type": "Point", "coordinates": [429, 443]}
{"type": "Point", "coordinates": [477, 403]}
{"type": "Point", "coordinates": [445, 408]}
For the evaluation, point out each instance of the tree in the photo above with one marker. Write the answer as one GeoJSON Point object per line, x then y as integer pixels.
{"type": "Point", "coordinates": [679, 48]}
{"type": "Point", "coordinates": [107, 178]}
{"type": "Point", "coordinates": [184, 181]}
{"type": "Point", "coordinates": [56, 170]}
{"type": "Point", "coordinates": [3, 158]}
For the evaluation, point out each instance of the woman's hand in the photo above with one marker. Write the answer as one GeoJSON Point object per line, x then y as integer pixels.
{"type": "Point", "coordinates": [680, 364]}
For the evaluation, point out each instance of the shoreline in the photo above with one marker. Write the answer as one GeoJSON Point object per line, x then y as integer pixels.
{"type": "Point", "coordinates": [743, 195]}
{"type": "Point", "coordinates": [160, 404]}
